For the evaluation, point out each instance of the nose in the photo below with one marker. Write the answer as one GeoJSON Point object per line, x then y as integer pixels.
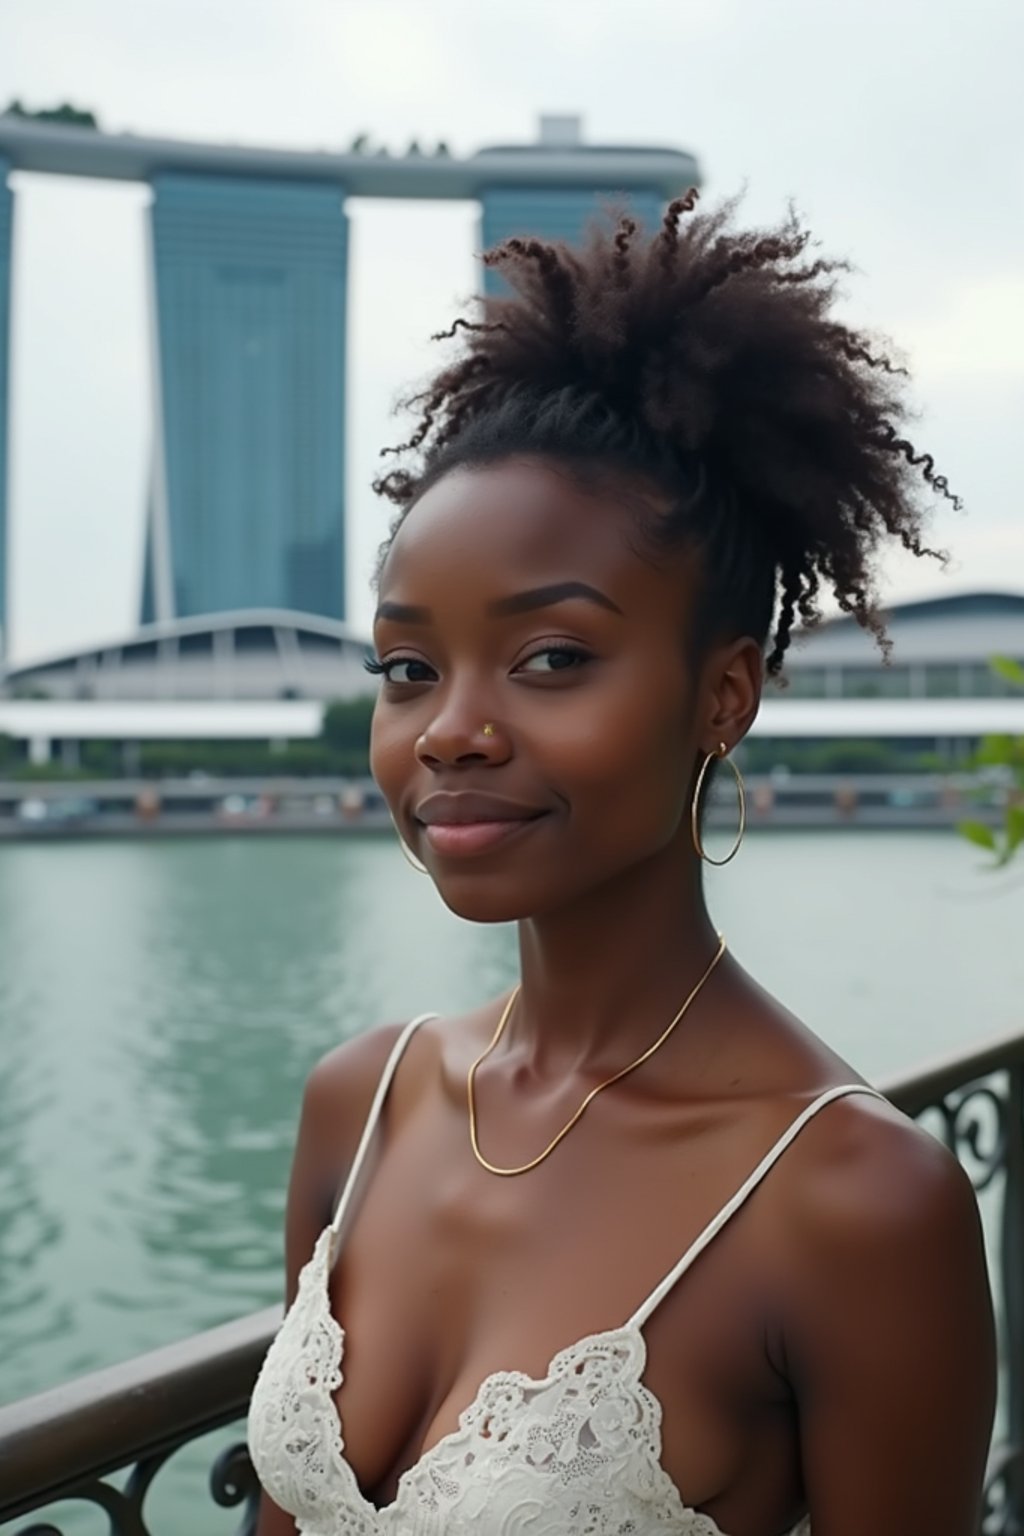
{"type": "Point", "coordinates": [462, 736]}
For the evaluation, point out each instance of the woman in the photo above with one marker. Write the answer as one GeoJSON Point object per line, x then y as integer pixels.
{"type": "Point", "coordinates": [740, 1292]}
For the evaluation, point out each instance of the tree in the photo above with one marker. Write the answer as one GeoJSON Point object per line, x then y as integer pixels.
{"type": "Point", "coordinates": [1004, 755]}
{"type": "Point", "coordinates": [346, 724]}
{"type": "Point", "coordinates": [67, 115]}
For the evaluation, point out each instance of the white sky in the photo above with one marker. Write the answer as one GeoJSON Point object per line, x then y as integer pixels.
{"type": "Point", "coordinates": [897, 125]}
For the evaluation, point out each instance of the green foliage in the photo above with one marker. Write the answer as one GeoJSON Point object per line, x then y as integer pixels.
{"type": "Point", "coordinates": [101, 759]}
{"type": "Point", "coordinates": [762, 754]}
{"type": "Point", "coordinates": [1010, 671]}
{"type": "Point", "coordinates": [53, 772]}
{"type": "Point", "coordinates": [1014, 827]}
{"type": "Point", "coordinates": [978, 832]}
{"type": "Point", "coordinates": [346, 725]}
{"type": "Point", "coordinates": [248, 759]}
{"type": "Point", "coordinates": [1002, 755]}
{"type": "Point", "coordinates": [342, 749]}
{"type": "Point", "coordinates": [67, 115]}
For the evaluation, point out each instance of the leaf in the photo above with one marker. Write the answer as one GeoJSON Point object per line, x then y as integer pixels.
{"type": "Point", "coordinates": [1014, 827]}
{"type": "Point", "coordinates": [995, 751]}
{"type": "Point", "coordinates": [1011, 671]}
{"type": "Point", "coordinates": [977, 832]}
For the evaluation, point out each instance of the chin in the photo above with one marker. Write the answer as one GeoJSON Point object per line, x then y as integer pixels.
{"type": "Point", "coordinates": [486, 903]}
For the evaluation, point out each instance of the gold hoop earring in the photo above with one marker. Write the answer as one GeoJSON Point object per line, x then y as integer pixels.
{"type": "Point", "coordinates": [695, 807]}
{"type": "Point", "coordinates": [421, 869]}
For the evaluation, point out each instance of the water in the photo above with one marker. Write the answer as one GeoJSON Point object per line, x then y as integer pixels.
{"type": "Point", "coordinates": [161, 1004]}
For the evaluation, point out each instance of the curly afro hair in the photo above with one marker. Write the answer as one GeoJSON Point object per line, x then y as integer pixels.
{"type": "Point", "coordinates": [702, 364]}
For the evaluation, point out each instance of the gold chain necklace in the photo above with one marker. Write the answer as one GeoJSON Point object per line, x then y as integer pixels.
{"type": "Point", "coordinates": [507, 1173]}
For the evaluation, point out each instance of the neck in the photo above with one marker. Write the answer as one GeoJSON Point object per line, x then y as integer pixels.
{"type": "Point", "coordinates": [601, 979]}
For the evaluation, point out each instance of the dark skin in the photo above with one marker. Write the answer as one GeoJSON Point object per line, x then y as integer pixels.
{"type": "Point", "coordinates": [833, 1348]}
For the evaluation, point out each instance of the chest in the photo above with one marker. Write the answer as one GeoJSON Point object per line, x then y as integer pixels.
{"type": "Point", "coordinates": [448, 1275]}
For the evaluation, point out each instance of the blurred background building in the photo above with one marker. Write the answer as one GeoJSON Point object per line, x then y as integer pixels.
{"type": "Point", "coordinates": [266, 676]}
{"type": "Point", "coordinates": [246, 504]}
{"type": "Point", "coordinates": [243, 649]}
{"type": "Point", "coordinates": [248, 275]}
{"type": "Point", "coordinates": [552, 212]}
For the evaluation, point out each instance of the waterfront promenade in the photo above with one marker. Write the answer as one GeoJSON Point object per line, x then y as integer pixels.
{"type": "Point", "coordinates": [202, 804]}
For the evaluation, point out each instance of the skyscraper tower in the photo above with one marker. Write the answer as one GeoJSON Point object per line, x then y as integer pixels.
{"type": "Point", "coordinates": [6, 225]}
{"type": "Point", "coordinates": [559, 211]}
{"type": "Point", "coordinates": [246, 506]}
{"type": "Point", "coordinates": [248, 268]}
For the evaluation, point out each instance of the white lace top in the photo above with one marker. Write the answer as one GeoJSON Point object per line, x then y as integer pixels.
{"type": "Point", "coordinates": [576, 1452]}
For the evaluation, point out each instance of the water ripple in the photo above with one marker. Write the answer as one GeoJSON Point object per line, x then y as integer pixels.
{"type": "Point", "coordinates": [162, 1003]}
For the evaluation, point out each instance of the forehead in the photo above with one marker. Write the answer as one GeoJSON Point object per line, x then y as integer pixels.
{"type": "Point", "coordinates": [526, 521]}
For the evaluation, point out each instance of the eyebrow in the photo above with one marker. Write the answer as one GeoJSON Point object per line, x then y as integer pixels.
{"type": "Point", "coordinates": [502, 607]}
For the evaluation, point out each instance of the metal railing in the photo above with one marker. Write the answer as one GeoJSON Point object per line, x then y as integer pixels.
{"type": "Point", "coordinates": [67, 1443]}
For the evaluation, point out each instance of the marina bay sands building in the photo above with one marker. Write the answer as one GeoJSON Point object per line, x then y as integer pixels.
{"type": "Point", "coordinates": [248, 256]}
{"type": "Point", "coordinates": [246, 499]}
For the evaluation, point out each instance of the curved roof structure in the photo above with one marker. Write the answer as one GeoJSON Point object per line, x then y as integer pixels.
{"type": "Point", "coordinates": [964, 627]}
{"type": "Point", "coordinates": [254, 654]}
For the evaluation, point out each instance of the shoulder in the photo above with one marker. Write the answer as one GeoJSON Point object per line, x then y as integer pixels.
{"type": "Point", "coordinates": [348, 1074]}
{"type": "Point", "coordinates": [338, 1096]}
{"type": "Point", "coordinates": [869, 1175]}
{"type": "Point", "coordinates": [887, 1327]}
{"type": "Point", "coordinates": [859, 1168]}
{"type": "Point", "coordinates": [881, 1224]}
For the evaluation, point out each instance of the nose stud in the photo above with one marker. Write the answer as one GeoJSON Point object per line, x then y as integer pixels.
{"type": "Point", "coordinates": [488, 729]}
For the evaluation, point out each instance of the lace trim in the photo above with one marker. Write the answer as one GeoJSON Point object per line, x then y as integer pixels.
{"type": "Point", "coordinates": [574, 1453]}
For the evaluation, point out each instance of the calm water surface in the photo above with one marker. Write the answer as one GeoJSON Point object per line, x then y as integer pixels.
{"type": "Point", "coordinates": [162, 1002]}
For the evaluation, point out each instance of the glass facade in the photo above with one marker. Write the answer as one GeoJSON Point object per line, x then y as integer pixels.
{"type": "Point", "coordinates": [6, 226]}
{"type": "Point", "coordinates": [921, 680]}
{"type": "Point", "coordinates": [246, 508]}
{"type": "Point", "coordinates": [554, 214]}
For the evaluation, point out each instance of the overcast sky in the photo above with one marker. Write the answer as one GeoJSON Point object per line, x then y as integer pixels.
{"type": "Point", "coordinates": [897, 125]}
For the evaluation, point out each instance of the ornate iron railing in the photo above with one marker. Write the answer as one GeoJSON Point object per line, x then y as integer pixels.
{"type": "Point", "coordinates": [68, 1443]}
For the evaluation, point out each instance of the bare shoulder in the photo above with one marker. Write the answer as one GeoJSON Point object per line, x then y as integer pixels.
{"type": "Point", "coordinates": [868, 1174]}
{"type": "Point", "coordinates": [336, 1102]}
{"type": "Point", "coordinates": [345, 1078]}
{"type": "Point", "coordinates": [859, 1168]}
{"type": "Point", "coordinates": [882, 1236]}
{"type": "Point", "coordinates": [887, 1329]}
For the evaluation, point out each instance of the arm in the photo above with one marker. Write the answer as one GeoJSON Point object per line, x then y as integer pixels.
{"type": "Point", "coordinates": [335, 1103]}
{"type": "Point", "coordinates": [891, 1341]}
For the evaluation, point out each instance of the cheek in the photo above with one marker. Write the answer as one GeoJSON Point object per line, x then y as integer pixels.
{"type": "Point", "coordinates": [627, 756]}
{"type": "Point", "coordinates": [390, 754]}
{"type": "Point", "coordinates": [646, 776]}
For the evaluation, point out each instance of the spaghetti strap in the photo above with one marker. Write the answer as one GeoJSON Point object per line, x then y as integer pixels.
{"type": "Point", "coordinates": [372, 1118]}
{"type": "Point", "coordinates": [715, 1225]}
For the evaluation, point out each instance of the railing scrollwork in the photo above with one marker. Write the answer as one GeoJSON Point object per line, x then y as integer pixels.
{"type": "Point", "coordinates": [232, 1482]}
{"type": "Point", "coordinates": [974, 1121]}
{"type": "Point", "coordinates": [1001, 1509]}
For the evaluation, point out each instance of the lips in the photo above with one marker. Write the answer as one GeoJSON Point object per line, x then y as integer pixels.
{"type": "Point", "coordinates": [470, 823]}
{"type": "Point", "coordinates": [447, 808]}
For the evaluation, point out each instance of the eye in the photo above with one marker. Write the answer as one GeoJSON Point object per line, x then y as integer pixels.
{"type": "Point", "coordinates": [561, 658]}
{"type": "Point", "coordinates": [388, 669]}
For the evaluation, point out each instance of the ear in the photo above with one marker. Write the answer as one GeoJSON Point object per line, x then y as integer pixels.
{"type": "Point", "coordinates": [734, 676]}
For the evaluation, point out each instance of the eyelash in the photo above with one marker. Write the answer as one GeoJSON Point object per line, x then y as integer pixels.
{"type": "Point", "coordinates": [382, 668]}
